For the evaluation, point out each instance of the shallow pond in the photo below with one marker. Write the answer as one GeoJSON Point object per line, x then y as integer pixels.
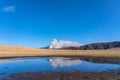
{"type": "Point", "coordinates": [19, 65]}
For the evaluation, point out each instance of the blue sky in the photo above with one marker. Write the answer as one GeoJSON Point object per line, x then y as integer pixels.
{"type": "Point", "coordinates": [34, 23]}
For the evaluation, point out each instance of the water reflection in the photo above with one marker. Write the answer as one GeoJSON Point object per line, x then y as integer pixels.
{"type": "Point", "coordinates": [62, 62]}
{"type": "Point", "coordinates": [11, 61]}
{"type": "Point", "coordinates": [18, 65]}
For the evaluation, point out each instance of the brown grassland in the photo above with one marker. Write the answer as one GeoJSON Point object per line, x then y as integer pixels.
{"type": "Point", "coordinates": [13, 51]}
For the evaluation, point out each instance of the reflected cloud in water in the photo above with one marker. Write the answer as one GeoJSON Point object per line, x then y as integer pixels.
{"type": "Point", "coordinates": [62, 62]}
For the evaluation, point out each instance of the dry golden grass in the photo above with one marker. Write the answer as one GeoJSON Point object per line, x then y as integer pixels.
{"type": "Point", "coordinates": [11, 51]}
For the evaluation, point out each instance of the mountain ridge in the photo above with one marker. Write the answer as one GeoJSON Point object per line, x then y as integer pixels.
{"type": "Point", "coordinates": [96, 46]}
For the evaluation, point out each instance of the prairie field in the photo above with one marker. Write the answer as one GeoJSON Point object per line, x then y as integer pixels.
{"type": "Point", "coordinates": [13, 51]}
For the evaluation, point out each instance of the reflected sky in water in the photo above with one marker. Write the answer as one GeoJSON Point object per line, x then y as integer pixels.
{"type": "Point", "coordinates": [16, 65]}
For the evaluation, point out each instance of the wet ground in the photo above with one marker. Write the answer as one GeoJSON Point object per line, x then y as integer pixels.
{"type": "Point", "coordinates": [109, 75]}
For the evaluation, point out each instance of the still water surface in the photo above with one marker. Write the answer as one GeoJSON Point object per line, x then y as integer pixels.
{"type": "Point", "coordinates": [18, 65]}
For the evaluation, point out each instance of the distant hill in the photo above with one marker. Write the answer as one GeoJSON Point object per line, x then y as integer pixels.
{"type": "Point", "coordinates": [96, 46]}
{"type": "Point", "coordinates": [47, 47]}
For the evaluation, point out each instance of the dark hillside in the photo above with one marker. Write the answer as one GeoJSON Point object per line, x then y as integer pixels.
{"type": "Point", "coordinates": [96, 46]}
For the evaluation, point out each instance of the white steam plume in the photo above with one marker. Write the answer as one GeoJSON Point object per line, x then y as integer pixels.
{"type": "Point", "coordinates": [55, 44]}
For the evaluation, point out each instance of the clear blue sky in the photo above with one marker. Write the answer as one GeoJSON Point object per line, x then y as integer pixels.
{"type": "Point", "coordinates": [34, 23]}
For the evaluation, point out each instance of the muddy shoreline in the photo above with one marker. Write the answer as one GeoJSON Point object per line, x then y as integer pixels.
{"type": "Point", "coordinates": [109, 75]}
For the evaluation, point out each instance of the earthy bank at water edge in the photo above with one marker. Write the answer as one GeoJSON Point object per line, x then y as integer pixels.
{"type": "Point", "coordinates": [65, 76]}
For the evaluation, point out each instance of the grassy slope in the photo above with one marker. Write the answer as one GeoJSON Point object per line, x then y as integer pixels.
{"type": "Point", "coordinates": [11, 51]}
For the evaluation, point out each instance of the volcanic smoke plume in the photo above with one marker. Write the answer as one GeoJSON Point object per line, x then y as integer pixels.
{"type": "Point", "coordinates": [55, 44]}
